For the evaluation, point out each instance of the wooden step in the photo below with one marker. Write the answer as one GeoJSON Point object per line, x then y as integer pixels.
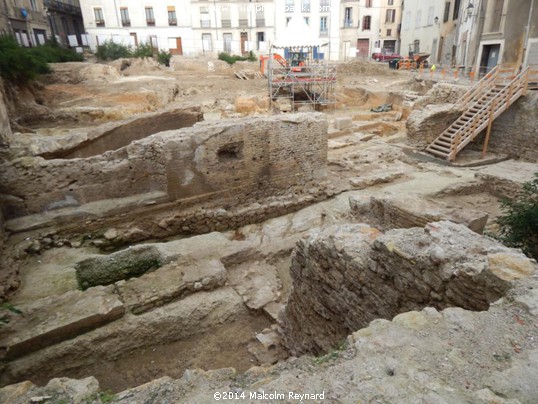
{"type": "Point", "coordinates": [435, 146]}
{"type": "Point", "coordinates": [437, 153]}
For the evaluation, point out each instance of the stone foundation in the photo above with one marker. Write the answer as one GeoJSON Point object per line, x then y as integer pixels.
{"type": "Point", "coordinates": [345, 277]}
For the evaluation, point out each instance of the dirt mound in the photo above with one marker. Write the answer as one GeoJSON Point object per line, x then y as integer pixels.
{"type": "Point", "coordinates": [139, 66]}
{"type": "Point", "coordinates": [181, 63]}
{"type": "Point", "coordinates": [354, 67]}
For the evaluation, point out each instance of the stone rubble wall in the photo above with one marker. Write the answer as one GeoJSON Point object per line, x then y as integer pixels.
{"type": "Point", "coordinates": [252, 156]}
{"type": "Point", "coordinates": [345, 277]}
{"type": "Point", "coordinates": [424, 125]}
{"type": "Point", "coordinates": [5, 128]}
{"type": "Point", "coordinates": [515, 132]}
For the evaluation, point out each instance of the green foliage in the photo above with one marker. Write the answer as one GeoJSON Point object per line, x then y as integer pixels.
{"type": "Point", "coordinates": [4, 315]}
{"type": "Point", "coordinates": [519, 222]}
{"type": "Point", "coordinates": [144, 51]}
{"type": "Point", "coordinates": [103, 397]}
{"type": "Point", "coordinates": [17, 64]}
{"type": "Point", "coordinates": [164, 58]}
{"type": "Point", "coordinates": [231, 59]}
{"type": "Point", "coordinates": [111, 51]}
{"type": "Point", "coordinates": [52, 52]}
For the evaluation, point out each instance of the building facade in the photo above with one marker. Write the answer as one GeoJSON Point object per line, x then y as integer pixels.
{"type": "Point", "coordinates": [390, 25]}
{"type": "Point", "coordinates": [64, 18]}
{"type": "Point", "coordinates": [430, 27]}
{"type": "Point", "coordinates": [26, 20]}
{"type": "Point", "coordinates": [182, 26]}
{"type": "Point", "coordinates": [359, 28]}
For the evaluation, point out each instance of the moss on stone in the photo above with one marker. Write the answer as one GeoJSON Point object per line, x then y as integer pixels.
{"type": "Point", "coordinates": [129, 263]}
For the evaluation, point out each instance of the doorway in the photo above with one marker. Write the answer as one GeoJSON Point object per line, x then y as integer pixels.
{"type": "Point", "coordinates": [175, 46]}
{"type": "Point", "coordinates": [363, 47]}
{"type": "Point", "coordinates": [244, 39]}
{"type": "Point", "coordinates": [134, 37]}
{"type": "Point", "coordinates": [490, 57]}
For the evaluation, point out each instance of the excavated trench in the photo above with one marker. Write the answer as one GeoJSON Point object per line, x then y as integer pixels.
{"type": "Point", "coordinates": [124, 133]}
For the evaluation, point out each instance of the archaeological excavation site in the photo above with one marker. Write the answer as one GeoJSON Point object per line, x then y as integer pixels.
{"type": "Point", "coordinates": [183, 234]}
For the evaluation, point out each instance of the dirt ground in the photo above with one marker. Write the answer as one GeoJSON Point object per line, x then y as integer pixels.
{"type": "Point", "coordinates": [76, 97]}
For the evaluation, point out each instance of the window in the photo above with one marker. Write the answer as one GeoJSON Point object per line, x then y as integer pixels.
{"type": "Point", "coordinates": [389, 32]}
{"type": "Point", "coordinates": [33, 5]}
{"type": "Point", "coordinates": [172, 19]}
{"type": "Point", "coordinates": [431, 11]}
{"type": "Point", "coordinates": [407, 21]}
{"type": "Point", "coordinates": [348, 20]}
{"type": "Point", "coordinates": [366, 22]}
{"type": "Point", "coordinates": [207, 46]}
{"type": "Point", "coordinates": [150, 19]}
{"type": "Point", "coordinates": [391, 2]}
{"type": "Point", "coordinates": [390, 15]}
{"type": "Point", "coordinates": [125, 21]}
{"type": "Point", "coordinates": [227, 42]}
{"type": "Point", "coordinates": [260, 37]}
{"type": "Point", "coordinates": [447, 11]}
{"type": "Point", "coordinates": [225, 17]}
{"type": "Point", "coordinates": [456, 9]}
{"type": "Point", "coordinates": [260, 18]}
{"type": "Point", "coordinates": [98, 14]}
{"type": "Point", "coordinates": [416, 46]}
{"type": "Point", "coordinates": [418, 19]}
{"type": "Point", "coordinates": [368, 3]}
{"type": "Point", "coordinates": [205, 21]}
{"type": "Point", "coordinates": [323, 26]}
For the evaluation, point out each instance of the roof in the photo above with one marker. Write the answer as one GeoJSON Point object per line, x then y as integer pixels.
{"type": "Point", "coordinates": [298, 34]}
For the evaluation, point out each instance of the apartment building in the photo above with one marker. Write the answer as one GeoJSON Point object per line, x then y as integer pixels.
{"type": "Point", "coordinates": [65, 21]}
{"type": "Point", "coordinates": [390, 25]}
{"type": "Point", "coordinates": [430, 27]}
{"type": "Point", "coordinates": [360, 24]}
{"type": "Point", "coordinates": [182, 26]}
{"type": "Point", "coordinates": [26, 20]}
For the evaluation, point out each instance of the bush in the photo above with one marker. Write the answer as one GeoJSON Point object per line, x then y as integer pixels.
{"type": "Point", "coordinates": [519, 223]}
{"type": "Point", "coordinates": [112, 51]}
{"type": "Point", "coordinates": [54, 53]}
{"type": "Point", "coordinates": [17, 64]}
{"type": "Point", "coordinates": [144, 51]}
{"type": "Point", "coordinates": [164, 58]}
{"type": "Point", "coordinates": [231, 59]}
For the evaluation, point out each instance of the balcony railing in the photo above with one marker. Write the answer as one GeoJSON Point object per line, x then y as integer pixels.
{"type": "Point", "coordinates": [323, 32]}
{"type": "Point", "coordinates": [100, 23]}
{"type": "Point", "coordinates": [226, 23]}
{"type": "Point", "coordinates": [126, 23]}
{"type": "Point", "coordinates": [36, 16]}
{"type": "Point", "coordinates": [55, 5]}
{"type": "Point", "coordinates": [172, 22]}
{"type": "Point", "coordinates": [243, 23]}
{"type": "Point", "coordinates": [348, 23]}
{"type": "Point", "coordinates": [260, 22]}
{"type": "Point", "coordinates": [205, 23]}
{"type": "Point", "coordinates": [150, 23]}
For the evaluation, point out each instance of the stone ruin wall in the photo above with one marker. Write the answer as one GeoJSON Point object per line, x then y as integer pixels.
{"type": "Point", "coordinates": [515, 132]}
{"type": "Point", "coordinates": [246, 159]}
{"type": "Point", "coordinates": [358, 274]}
{"type": "Point", "coordinates": [5, 128]}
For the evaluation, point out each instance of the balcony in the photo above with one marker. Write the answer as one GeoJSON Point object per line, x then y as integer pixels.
{"type": "Point", "coordinates": [61, 7]}
{"type": "Point", "coordinates": [205, 23]}
{"type": "Point", "coordinates": [323, 32]}
{"type": "Point", "coordinates": [36, 16]}
{"type": "Point", "coordinates": [172, 22]}
{"type": "Point", "coordinates": [99, 23]}
{"type": "Point", "coordinates": [226, 23]}
{"type": "Point", "coordinates": [348, 23]}
{"type": "Point", "coordinates": [126, 23]}
{"type": "Point", "coordinates": [260, 22]}
{"type": "Point", "coordinates": [243, 23]}
{"type": "Point", "coordinates": [150, 23]}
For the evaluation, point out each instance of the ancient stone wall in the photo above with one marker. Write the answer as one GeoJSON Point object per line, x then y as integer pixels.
{"type": "Point", "coordinates": [515, 132]}
{"type": "Point", "coordinates": [252, 157]}
{"type": "Point", "coordinates": [344, 277]}
{"type": "Point", "coordinates": [5, 129]}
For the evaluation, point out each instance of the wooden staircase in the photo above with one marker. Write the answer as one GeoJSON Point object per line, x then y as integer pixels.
{"type": "Point", "coordinates": [482, 104]}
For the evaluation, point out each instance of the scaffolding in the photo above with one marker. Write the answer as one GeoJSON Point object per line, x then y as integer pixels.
{"type": "Point", "coordinates": [300, 79]}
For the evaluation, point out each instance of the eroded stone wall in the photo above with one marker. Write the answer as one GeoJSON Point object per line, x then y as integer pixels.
{"type": "Point", "coordinates": [344, 277]}
{"type": "Point", "coordinates": [515, 132]}
{"type": "Point", "coordinates": [5, 128]}
{"type": "Point", "coordinates": [254, 156]}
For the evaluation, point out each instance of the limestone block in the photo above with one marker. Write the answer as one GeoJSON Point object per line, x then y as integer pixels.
{"type": "Point", "coordinates": [170, 282]}
{"type": "Point", "coordinates": [509, 266]}
{"type": "Point", "coordinates": [343, 122]}
{"type": "Point", "coordinates": [13, 392]}
{"type": "Point", "coordinates": [257, 283]}
{"type": "Point", "coordinates": [53, 319]}
{"type": "Point", "coordinates": [77, 390]}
